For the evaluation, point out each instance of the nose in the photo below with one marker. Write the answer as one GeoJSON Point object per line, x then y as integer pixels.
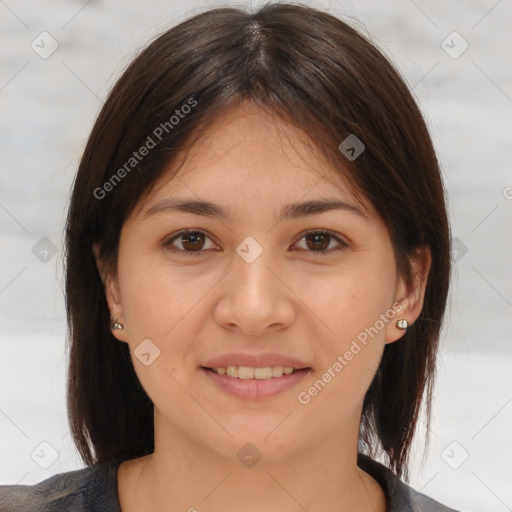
{"type": "Point", "coordinates": [255, 297]}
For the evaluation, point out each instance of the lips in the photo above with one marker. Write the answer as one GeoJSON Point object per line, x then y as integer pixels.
{"type": "Point", "coordinates": [254, 389]}
{"type": "Point", "coordinates": [254, 376]}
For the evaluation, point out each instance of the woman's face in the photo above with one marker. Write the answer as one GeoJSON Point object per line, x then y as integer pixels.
{"type": "Point", "coordinates": [262, 287]}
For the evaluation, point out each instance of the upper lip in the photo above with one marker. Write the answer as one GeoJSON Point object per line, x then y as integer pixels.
{"type": "Point", "coordinates": [254, 360]}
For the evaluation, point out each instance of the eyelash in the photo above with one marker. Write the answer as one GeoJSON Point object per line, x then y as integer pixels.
{"type": "Point", "coordinates": [168, 243]}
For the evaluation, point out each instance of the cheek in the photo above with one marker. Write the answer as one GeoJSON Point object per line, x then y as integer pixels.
{"type": "Point", "coordinates": [145, 298]}
{"type": "Point", "coordinates": [352, 300]}
{"type": "Point", "coordinates": [163, 303]}
{"type": "Point", "coordinates": [353, 309]}
{"type": "Point", "coordinates": [158, 304]}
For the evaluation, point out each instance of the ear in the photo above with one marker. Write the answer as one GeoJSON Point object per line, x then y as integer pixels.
{"type": "Point", "coordinates": [409, 299]}
{"type": "Point", "coordinates": [112, 296]}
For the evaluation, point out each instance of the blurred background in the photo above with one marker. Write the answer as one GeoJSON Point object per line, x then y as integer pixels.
{"type": "Point", "coordinates": [58, 61]}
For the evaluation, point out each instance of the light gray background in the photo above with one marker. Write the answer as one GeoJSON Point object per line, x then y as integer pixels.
{"type": "Point", "coordinates": [48, 107]}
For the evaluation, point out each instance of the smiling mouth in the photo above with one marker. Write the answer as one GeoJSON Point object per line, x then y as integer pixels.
{"type": "Point", "coordinates": [250, 372]}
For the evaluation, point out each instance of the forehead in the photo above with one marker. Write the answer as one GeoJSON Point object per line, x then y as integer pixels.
{"type": "Point", "coordinates": [247, 155]}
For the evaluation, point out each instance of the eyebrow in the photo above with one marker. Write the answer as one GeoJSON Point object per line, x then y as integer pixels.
{"type": "Point", "coordinates": [289, 211]}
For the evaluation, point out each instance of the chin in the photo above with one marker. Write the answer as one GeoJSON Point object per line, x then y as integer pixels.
{"type": "Point", "coordinates": [256, 445]}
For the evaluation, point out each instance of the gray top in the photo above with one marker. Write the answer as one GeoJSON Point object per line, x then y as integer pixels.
{"type": "Point", "coordinates": [94, 489]}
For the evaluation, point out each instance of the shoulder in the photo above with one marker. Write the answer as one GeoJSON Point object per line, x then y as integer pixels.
{"type": "Point", "coordinates": [82, 490]}
{"type": "Point", "coordinates": [400, 496]}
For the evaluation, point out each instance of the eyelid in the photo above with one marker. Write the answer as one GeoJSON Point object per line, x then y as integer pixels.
{"type": "Point", "coordinates": [342, 244]}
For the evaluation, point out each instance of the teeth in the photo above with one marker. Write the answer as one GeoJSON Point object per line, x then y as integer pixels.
{"type": "Point", "coordinates": [249, 372]}
{"type": "Point", "coordinates": [245, 372]}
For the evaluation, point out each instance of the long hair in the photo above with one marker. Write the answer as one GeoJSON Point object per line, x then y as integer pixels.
{"type": "Point", "coordinates": [317, 73]}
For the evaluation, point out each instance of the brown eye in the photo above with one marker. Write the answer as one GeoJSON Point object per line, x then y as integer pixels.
{"type": "Point", "coordinates": [193, 241]}
{"type": "Point", "coordinates": [190, 242]}
{"type": "Point", "coordinates": [319, 241]}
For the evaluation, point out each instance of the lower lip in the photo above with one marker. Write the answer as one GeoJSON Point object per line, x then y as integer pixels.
{"type": "Point", "coordinates": [256, 388]}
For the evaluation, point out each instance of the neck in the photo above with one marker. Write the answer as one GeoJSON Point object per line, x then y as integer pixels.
{"type": "Point", "coordinates": [187, 476]}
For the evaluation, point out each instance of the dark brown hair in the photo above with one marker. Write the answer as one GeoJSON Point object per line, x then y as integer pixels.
{"type": "Point", "coordinates": [318, 74]}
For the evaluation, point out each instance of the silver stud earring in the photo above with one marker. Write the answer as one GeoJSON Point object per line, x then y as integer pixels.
{"type": "Point", "coordinates": [116, 325]}
{"type": "Point", "coordinates": [402, 324]}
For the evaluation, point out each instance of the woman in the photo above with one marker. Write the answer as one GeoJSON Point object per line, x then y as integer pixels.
{"type": "Point", "coordinates": [257, 270]}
